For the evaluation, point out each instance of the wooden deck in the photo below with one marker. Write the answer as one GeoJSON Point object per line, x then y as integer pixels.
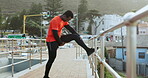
{"type": "Point", "coordinates": [65, 66]}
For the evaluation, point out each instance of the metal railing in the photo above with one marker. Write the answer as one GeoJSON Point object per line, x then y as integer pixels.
{"type": "Point", "coordinates": [130, 22]}
{"type": "Point", "coordinates": [14, 48]}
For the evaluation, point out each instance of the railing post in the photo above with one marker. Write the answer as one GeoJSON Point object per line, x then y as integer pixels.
{"type": "Point", "coordinates": [92, 57]}
{"type": "Point", "coordinates": [12, 59]}
{"type": "Point", "coordinates": [41, 51]}
{"type": "Point", "coordinates": [131, 51]}
{"type": "Point", "coordinates": [96, 61]}
{"type": "Point", "coordinates": [102, 57]}
{"type": "Point", "coordinates": [30, 53]}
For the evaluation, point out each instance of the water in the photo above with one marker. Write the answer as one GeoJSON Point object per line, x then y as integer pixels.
{"type": "Point", "coordinates": [3, 61]}
{"type": "Point", "coordinates": [5, 72]}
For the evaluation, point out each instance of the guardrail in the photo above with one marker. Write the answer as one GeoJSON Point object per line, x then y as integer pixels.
{"type": "Point", "coordinates": [130, 22]}
{"type": "Point", "coordinates": [16, 47]}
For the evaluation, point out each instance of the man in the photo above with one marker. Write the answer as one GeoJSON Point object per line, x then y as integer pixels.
{"type": "Point", "coordinates": [54, 38]}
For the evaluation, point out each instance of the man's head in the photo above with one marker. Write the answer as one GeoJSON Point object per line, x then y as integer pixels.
{"type": "Point", "coordinates": [68, 15]}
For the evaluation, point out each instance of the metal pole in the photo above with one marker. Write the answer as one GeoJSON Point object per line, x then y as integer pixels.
{"type": "Point", "coordinates": [102, 56]}
{"type": "Point", "coordinates": [41, 41]}
{"type": "Point", "coordinates": [24, 24]}
{"type": "Point", "coordinates": [7, 45]}
{"type": "Point", "coordinates": [122, 44]}
{"type": "Point", "coordinates": [96, 61]}
{"type": "Point", "coordinates": [41, 51]}
{"type": "Point", "coordinates": [12, 59]}
{"type": "Point", "coordinates": [30, 53]}
{"type": "Point", "coordinates": [131, 51]}
{"type": "Point", "coordinates": [41, 27]}
{"type": "Point", "coordinates": [25, 16]}
{"type": "Point", "coordinates": [92, 59]}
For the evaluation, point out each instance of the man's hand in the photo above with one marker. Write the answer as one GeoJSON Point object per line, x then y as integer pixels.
{"type": "Point", "coordinates": [62, 44]}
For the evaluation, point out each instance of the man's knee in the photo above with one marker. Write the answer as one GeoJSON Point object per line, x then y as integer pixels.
{"type": "Point", "coordinates": [76, 36]}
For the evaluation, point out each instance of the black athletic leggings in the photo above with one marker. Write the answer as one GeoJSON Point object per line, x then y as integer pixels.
{"type": "Point", "coordinates": [53, 46]}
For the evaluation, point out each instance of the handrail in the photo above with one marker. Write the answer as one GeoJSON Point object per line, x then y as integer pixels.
{"type": "Point", "coordinates": [108, 67]}
{"type": "Point", "coordinates": [138, 15]}
{"type": "Point", "coordinates": [12, 51]}
{"type": "Point", "coordinates": [130, 19]}
{"type": "Point", "coordinates": [19, 39]}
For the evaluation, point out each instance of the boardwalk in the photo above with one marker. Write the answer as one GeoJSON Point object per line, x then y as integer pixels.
{"type": "Point", "coordinates": [65, 66]}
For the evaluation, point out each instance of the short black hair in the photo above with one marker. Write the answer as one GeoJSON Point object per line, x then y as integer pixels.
{"type": "Point", "coordinates": [68, 13]}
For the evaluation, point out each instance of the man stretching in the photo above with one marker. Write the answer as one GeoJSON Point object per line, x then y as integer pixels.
{"type": "Point", "coordinates": [54, 38]}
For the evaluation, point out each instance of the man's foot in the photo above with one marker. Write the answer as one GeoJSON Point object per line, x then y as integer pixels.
{"type": "Point", "coordinates": [90, 51]}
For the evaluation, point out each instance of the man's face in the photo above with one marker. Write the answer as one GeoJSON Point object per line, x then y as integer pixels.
{"type": "Point", "coordinates": [66, 19]}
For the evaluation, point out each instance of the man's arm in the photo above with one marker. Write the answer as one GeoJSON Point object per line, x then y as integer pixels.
{"type": "Point", "coordinates": [71, 29]}
{"type": "Point", "coordinates": [55, 34]}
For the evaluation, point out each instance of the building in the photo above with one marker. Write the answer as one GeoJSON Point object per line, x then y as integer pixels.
{"type": "Point", "coordinates": [110, 21]}
{"type": "Point", "coordinates": [141, 52]}
{"type": "Point", "coordinates": [142, 28]}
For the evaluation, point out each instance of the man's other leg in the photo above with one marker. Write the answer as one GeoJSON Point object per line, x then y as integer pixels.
{"type": "Point", "coordinates": [52, 51]}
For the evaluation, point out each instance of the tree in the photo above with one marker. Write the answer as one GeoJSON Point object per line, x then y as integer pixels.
{"type": "Point", "coordinates": [15, 23]}
{"type": "Point", "coordinates": [82, 10]}
{"type": "Point", "coordinates": [0, 17]}
{"type": "Point", "coordinates": [32, 28]}
{"type": "Point", "coordinates": [1, 26]}
{"type": "Point", "coordinates": [55, 7]}
{"type": "Point", "coordinates": [6, 23]}
{"type": "Point", "coordinates": [35, 9]}
{"type": "Point", "coordinates": [91, 14]}
{"type": "Point", "coordinates": [21, 18]}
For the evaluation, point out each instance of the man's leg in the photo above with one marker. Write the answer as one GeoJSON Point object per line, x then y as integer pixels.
{"type": "Point", "coordinates": [52, 51]}
{"type": "Point", "coordinates": [70, 37]}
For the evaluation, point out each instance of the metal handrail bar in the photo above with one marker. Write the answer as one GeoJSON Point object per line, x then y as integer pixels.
{"type": "Point", "coordinates": [5, 66]}
{"type": "Point", "coordinates": [23, 51]}
{"type": "Point", "coordinates": [108, 67]}
{"type": "Point", "coordinates": [129, 21]}
{"type": "Point", "coordinates": [13, 64]}
{"type": "Point", "coordinates": [138, 15]}
{"type": "Point", "coordinates": [19, 39]}
{"type": "Point", "coordinates": [97, 75]}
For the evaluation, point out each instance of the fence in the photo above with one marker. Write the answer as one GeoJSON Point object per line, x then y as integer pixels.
{"type": "Point", "coordinates": [13, 48]}
{"type": "Point", "coordinates": [130, 22]}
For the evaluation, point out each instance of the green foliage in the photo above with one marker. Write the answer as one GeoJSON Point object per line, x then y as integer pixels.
{"type": "Point", "coordinates": [89, 29]}
{"type": "Point", "coordinates": [108, 74]}
{"type": "Point", "coordinates": [82, 10]}
{"type": "Point", "coordinates": [6, 24]}
{"type": "Point", "coordinates": [1, 21]}
{"type": "Point", "coordinates": [0, 16]}
{"type": "Point", "coordinates": [121, 74]}
{"type": "Point", "coordinates": [106, 53]}
{"type": "Point", "coordinates": [32, 28]}
{"type": "Point", "coordinates": [21, 17]}
{"type": "Point", "coordinates": [15, 23]}
{"type": "Point", "coordinates": [54, 6]}
{"type": "Point", "coordinates": [90, 15]}
{"type": "Point", "coordinates": [35, 9]}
